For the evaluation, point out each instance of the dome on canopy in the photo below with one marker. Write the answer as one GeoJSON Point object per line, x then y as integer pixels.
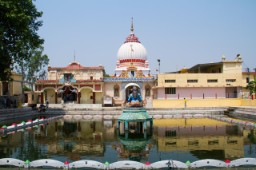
{"type": "Point", "coordinates": [132, 48]}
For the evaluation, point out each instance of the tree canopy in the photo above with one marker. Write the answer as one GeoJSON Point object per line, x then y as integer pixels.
{"type": "Point", "coordinates": [34, 68]}
{"type": "Point", "coordinates": [18, 33]}
{"type": "Point", "coordinates": [252, 86]}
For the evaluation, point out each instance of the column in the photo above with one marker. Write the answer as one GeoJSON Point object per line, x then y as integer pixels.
{"type": "Point", "coordinates": [144, 125]}
{"type": "Point", "coordinates": [93, 97]}
{"type": "Point", "coordinates": [56, 97]}
{"type": "Point", "coordinates": [126, 125]}
{"type": "Point", "coordinates": [79, 97]}
{"type": "Point", "coordinates": [118, 125]}
{"type": "Point", "coordinates": [42, 97]}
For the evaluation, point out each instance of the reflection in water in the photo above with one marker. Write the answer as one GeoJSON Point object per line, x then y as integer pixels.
{"type": "Point", "coordinates": [177, 139]}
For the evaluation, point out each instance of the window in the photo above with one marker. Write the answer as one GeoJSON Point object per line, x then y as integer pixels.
{"type": "Point", "coordinates": [212, 81]}
{"type": "Point", "coordinates": [67, 77]}
{"type": "Point", "coordinates": [170, 81]}
{"type": "Point", "coordinates": [91, 77]}
{"type": "Point", "coordinates": [116, 91]}
{"type": "Point", "coordinates": [170, 90]}
{"type": "Point", "coordinates": [192, 81]}
{"type": "Point", "coordinates": [230, 80]}
{"type": "Point", "coordinates": [247, 79]}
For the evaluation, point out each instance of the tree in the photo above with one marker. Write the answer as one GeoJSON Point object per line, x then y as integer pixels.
{"type": "Point", "coordinates": [252, 86]}
{"type": "Point", "coordinates": [34, 68]}
{"type": "Point", "coordinates": [18, 33]}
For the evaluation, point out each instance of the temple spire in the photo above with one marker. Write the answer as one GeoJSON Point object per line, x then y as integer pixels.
{"type": "Point", "coordinates": [74, 55]}
{"type": "Point", "coordinates": [132, 29]}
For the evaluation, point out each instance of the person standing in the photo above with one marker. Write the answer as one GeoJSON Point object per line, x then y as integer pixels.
{"type": "Point", "coordinates": [185, 103]}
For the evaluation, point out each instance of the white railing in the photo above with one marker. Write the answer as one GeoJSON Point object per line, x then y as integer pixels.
{"type": "Point", "coordinates": [127, 164]}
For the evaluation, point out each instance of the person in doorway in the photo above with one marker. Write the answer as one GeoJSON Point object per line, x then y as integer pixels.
{"type": "Point", "coordinates": [135, 99]}
{"type": "Point", "coordinates": [185, 103]}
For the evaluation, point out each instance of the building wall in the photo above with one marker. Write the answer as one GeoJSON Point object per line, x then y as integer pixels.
{"type": "Point", "coordinates": [98, 98]}
{"type": "Point", "coordinates": [193, 92]}
{"type": "Point", "coordinates": [50, 95]}
{"type": "Point", "coordinates": [86, 96]}
{"type": "Point", "coordinates": [202, 78]}
{"type": "Point", "coordinates": [15, 87]}
{"type": "Point", "coordinates": [175, 103]}
{"type": "Point", "coordinates": [78, 74]}
{"type": "Point", "coordinates": [248, 102]}
{"type": "Point", "coordinates": [109, 90]}
{"type": "Point", "coordinates": [16, 84]}
{"type": "Point", "coordinates": [232, 67]}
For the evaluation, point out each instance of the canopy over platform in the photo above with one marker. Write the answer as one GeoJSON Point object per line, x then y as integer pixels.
{"type": "Point", "coordinates": [135, 114]}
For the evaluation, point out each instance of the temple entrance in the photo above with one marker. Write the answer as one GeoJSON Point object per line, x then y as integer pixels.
{"type": "Point", "coordinates": [69, 94]}
{"type": "Point", "coordinates": [128, 90]}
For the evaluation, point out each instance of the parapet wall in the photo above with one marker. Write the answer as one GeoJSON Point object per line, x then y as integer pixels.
{"type": "Point", "coordinates": [248, 102]}
{"type": "Point", "coordinates": [180, 103]}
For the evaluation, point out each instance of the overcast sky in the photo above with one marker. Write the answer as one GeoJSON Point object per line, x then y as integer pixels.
{"type": "Point", "coordinates": [181, 33]}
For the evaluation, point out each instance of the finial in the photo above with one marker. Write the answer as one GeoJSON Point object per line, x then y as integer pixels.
{"type": "Point", "coordinates": [132, 29]}
{"type": "Point", "coordinates": [74, 55]}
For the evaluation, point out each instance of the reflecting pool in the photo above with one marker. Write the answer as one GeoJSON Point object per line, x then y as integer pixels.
{"type": "Point", "coordinates": [177, 139]}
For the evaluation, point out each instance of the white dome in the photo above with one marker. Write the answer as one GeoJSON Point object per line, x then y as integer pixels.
{"type": "Point", "coordinates": [132, 50]}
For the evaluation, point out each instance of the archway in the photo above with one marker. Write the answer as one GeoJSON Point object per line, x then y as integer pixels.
{"type": "Point", "coordinates": [49, 94]}
{"type": "Point", "coordinates": [68, 94]}
{"type": "Point", "coordinates": [86, 96]}
{"type": "Point", "coordinates": [128, 90]}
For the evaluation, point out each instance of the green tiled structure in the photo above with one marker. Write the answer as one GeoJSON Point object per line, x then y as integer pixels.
{"type": "Point", "coordinates": [134, 120]}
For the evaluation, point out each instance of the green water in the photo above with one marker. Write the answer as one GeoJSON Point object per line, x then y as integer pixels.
{"type": "Point", "coordinates": [99, 140]}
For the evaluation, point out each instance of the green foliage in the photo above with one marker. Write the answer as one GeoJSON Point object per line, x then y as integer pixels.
{"type": "Point", "coordinates": [26, 88]}
{"type": "Point", "coordinates": [105, 74]}
{"type": "Point", "coordinates": [18, 33]}
{"type": "Point", "coordinates": [35, 67]}
{"type": "Point", "coordinates": [252, 86]}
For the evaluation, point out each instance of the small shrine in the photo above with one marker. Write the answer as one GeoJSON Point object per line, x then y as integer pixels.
{"type": "Point", "coordinates": [135, 120]}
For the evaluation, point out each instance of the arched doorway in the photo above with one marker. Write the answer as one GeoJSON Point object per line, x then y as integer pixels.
{"type": "Point", "coordinates": [128, 90]}
{"type": "Point", "coordinates": [68, 94]}
{"type": "Point", "coordinates": [87, 95]}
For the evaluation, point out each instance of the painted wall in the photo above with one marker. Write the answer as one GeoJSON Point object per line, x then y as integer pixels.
{"type": "Point", "coordinates": [248, 102]}
{"type": "Point", "coordinates": [202, 79]}
{"type": "Point", "coordinates": [50, 95]}
{"type": "Point", "coordinates": [195, 92]}
{"type": "Point", "coordinates": [175, 103]}
{"type": "Point", "coordinates": [78, 74]}
{"type": "Point", "coordinates": [109, 90]}
{"type": "Point", "coordinates": [98, 98]}
{"type": "Point", "coordinates": [86, 96]}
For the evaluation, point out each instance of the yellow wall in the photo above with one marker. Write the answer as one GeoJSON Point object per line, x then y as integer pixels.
{"type": "Point", "coordinates": [175, 103]}
{"type": "Point", "coordinates": [179, 103]}
{"type": "Point", "coordinates": [50, 93]}
{"type": "Point", "coordinates": [86, 96]}
{"type": "Point", "coordinates": [181, 79]}
{"type": "Point", "coordinates": [249, 102]}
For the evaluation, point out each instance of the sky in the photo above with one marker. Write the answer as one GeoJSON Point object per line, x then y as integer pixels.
{"type": "Point", "coordinates": [181, 33]}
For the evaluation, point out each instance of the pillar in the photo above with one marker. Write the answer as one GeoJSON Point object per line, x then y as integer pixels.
{"type": "Point", "coordinates": [126, 125]}
{"type": "Point", "coordinates": [56, 97]}
{"type": "Point", "coordinates": [144, 126]}
{"type": "Point", "coordinates": [118, 125]}
{"type": "Point", "coordinates": [145, 135]}
{"type": "Point", "coordinates": [79, 97]}
{"type": "Point", "coordinates": [151, 124]}
{"type": "Point", "coordinates": [126, 135]}
{"type": "Point", "coordinates": [93, 97]}
{"type": "Point", "coordinates": [42, 97]}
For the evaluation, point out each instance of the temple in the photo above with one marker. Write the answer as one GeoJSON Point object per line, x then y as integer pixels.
{"type": "Point", "coordinates": [132, 69]}
{"type": "Point", "coordinates": [72, 84]}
